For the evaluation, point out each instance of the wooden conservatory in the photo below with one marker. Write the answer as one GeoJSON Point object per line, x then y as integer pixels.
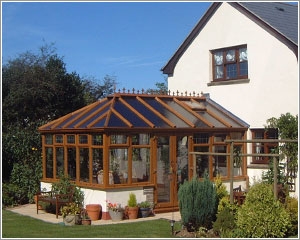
{"type": "Point", "coordinates": [140, 143]}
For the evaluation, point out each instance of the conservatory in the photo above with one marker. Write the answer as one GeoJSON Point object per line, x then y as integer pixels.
{"type": "Point", "coordinates": [138, 142]}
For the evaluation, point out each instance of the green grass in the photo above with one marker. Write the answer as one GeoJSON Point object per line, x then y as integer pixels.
{"type": "Point", "coordinates": [18, 226]}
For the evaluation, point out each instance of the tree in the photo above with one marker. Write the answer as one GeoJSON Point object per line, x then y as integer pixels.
{"type": "Point", "coordinates": [37, 86]}
{"type": "Point", "coordinates": [161, 88]}
{"type": "Point", "coordinates": [287, 126]}
{"type": "Point", "coordinates": [94, 91]}
{"type": "Point", "coordinates": [36, 89]}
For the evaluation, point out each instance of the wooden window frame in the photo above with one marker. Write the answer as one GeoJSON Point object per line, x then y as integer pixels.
{"type": "Point", "coordinates": [264, 146]}
{"type": "Point", "coordinates": [226, 63]}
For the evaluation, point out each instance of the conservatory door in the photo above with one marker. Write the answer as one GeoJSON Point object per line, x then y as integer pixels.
{"type": "Point", "coordinates": [172, 168]}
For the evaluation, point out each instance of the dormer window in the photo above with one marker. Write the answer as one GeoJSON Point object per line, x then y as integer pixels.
{"type": "Point", "coordinates": [230, 63]}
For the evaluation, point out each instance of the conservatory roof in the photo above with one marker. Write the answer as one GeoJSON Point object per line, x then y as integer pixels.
{"type": "Point", "coordinates": [147, 111]}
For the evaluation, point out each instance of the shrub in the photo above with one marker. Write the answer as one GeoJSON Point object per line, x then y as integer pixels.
{"type": "Point", "coordinates": [64, 185]}
{"type": "Point", "coordinates": [132, 202]}
{"type": "Point", "coordinates": [291, 206]}
{"type": "Point", "coordinates": [220, 188]}
{"type": "Point", "coordinates": [197, 203]}
{"type": "Point", "coordinates": [225, 224]}
{"type": "Point", "coordinates": [262, 216]}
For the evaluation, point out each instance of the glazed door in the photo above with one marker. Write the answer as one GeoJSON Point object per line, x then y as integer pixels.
{"type": "Point", "coordinates": [171, 171]}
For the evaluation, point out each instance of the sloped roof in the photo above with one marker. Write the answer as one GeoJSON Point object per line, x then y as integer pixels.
{"type": "Point", "coordinates": [279, 19]}
{"type": "Point", "coordinates": [281, 16]}
{"type": "Point", "coordinates": [143, 111]}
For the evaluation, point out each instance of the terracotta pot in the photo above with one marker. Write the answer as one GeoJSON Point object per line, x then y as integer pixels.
{"type": "Point", "coordinates": [93, 211]}
{"type": "Point", "coordinates": [133, 212]}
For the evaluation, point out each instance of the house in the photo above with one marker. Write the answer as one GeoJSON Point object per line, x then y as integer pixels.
{"type": "Point", "coordinates": [245, 55]}
{"type": "Point", "coordinates": [246, 65]}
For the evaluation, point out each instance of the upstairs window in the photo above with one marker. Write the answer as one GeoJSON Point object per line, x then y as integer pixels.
{"type": "Point", "coordinates": [230, 63]}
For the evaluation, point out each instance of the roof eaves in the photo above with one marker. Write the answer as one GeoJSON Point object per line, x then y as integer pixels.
{"type": "Point", "coordinates": [169, 67]}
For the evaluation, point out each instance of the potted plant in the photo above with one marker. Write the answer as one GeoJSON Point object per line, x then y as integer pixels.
{"type": "Point", "coordinates": [145, 208]}
{"type": "Point", "coordinates": [116, 212]}
{"type": "Point", "coordinates": [132, 206]}
{"type": "Point", "coordinates": [71, 214]}
{"type": "Point", "coordinates": [85, 218]}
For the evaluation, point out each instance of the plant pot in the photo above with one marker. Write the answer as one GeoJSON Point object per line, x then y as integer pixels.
{"type": "Point", "coordinates": [93, 210]}
{"type": "Point", "coordinates": [86, 221]}
{"type": "Point", "coordinates": [116, 216]}
{"type": "Point", "coordinates": [133, 212]}
{"type": "Point", "coordinates": [69, 220]}
{"type": "Point", "coordinates": [145, 212]}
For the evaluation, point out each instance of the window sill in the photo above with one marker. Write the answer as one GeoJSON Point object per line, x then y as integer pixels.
{"type": "Point", "coordinates": [229, 82]}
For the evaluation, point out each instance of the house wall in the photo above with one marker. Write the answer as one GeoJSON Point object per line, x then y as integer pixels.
{"type": "Point", "coordinates": [273, 69]}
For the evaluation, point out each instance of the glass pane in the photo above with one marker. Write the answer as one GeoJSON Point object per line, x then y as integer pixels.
{"type": "Point", "coordinates": [118, 166]}
{"type": "Point", "coordinates": [237, 160]}
{"type": "Point", "coordinates": [272, 133]}
{"type": "Point", "coordinates": [243, 54]}
{"type": "Point", "coordinates": [220, 162]}
{"type": "Point", "coordinates": [72, 163]}
{"type": "Point", "coordinates": [219, 73]}
{"type": "Point", "coordinates": [218, 58]}
{"type": "Point", "coordinates": [231, 71]}
{"type": "Point", "coordinates": [243, 68]}
{"type": "Point", "coordinates": [202, 161]}
{"type": "Point", "coordinates": [71, 139]}
{"type": "Point", "coordinates": [182, 160]}
{"type": "Point", "coordinates": [163, 170]}
{"type": "Point", "coordinates": [201, 138]}
{"type": "Point", "coordinates": [98, 165]}
{"type": "Point", "coordinates": [118, 139]}
{"type": "Point", "coordinates": [219, 137]}
{"type": "Point", "coordinates": [97, 139]}
{"type": "Point", "coordinates": [83, 139]}
{"type": "Point", "coordinates": [140, 164]}
{"type": "Point", "coordinates": [49, 162]}
{"type": "Point", "coordinates": [59, 138]}
{"type": "Point", "coordinates": [141, 139]}
{"type": "Point", "coordinates": [230, 56]}
{"type": "Point", "coordinates": [49, 139]}
{"type": "Point", "coordinates": [84, 164]}
{"type": "Point", "coordinates": [236, 135]}
{"type": "Point", "coordinates": [59, 161]}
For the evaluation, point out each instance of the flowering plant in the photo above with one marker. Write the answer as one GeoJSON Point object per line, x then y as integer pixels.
{"type": "Point", "coordinates": [116, 207]}
{"type": "Point", "coordinates": [70, 209]}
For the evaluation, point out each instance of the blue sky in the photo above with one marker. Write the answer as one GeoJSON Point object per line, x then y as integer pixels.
{"type": "Point", "coordinates": [129, 40]}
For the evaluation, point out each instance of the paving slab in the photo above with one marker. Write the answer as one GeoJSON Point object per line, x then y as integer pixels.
{"type": "Point", "coordinates": [30, 210]}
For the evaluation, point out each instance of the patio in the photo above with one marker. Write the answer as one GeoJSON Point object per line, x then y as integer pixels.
{"type": "Point", "coordinates": [30, 210]}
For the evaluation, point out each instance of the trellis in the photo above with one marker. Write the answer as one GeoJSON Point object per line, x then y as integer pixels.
{"type": "Point", "coordinates": [231, 154]}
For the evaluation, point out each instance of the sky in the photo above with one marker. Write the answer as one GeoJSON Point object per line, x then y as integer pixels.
{"type": "Point", "coordinates": [130, 41]}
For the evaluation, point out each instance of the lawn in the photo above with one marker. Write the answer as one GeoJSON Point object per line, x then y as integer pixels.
{"type": "Point", "coordinates": [19, 226]}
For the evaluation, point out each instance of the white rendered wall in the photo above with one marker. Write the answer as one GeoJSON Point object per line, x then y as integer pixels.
{"type": "Point", "coordinates": [92, 196]}
{"type": "Point", "coordinates": [273, 69]}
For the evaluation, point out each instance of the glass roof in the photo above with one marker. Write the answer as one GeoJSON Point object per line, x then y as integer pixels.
{"type": "Point", "coordinates": [128, 110]}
